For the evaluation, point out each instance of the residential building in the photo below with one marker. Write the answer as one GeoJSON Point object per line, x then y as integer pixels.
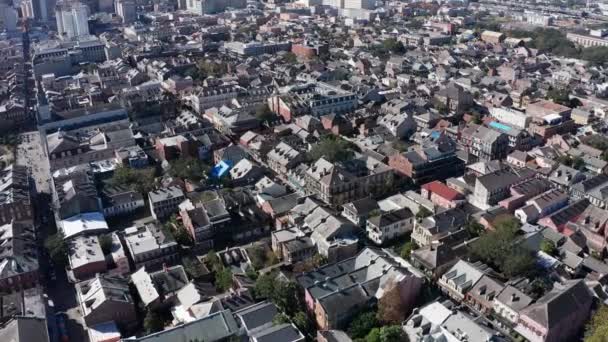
{"type": "Point", "coordinates": [24, 328]}
{"type": "Point", "coordinates": [511, 116]}
{"type": "Point", "coordinates": [484, 143]}
{"type": "Point", "coordinates": [160, 287]}
{"type": "Point", "coordinates": [454, 98]}
{"type": "Point", "coordinates": [436, 159]}
{"type": "Point", "coordinates": [106, 298]}
{"type": "Point", "coordinates": [496, 186]}
{"type": "Point", "coordinates": [256, 48]}
{"type": "Point", "coordinates": [492, 37]}
{"type": "Point", "coordinates": [15, 198]}
{"type": "Point", "coordinates": [434, 228]}
{"type": "Point", "coordinates": [86, 257]}
{"type": "Point", "coordinates": [120, 200]}
{"type": "Point", "coordinates": [461, 278]}
{"type": "Point", "coordinates": [444, 322]}
{"type": "Point", "coordinates": [164, 202]}
{"type": "Point", "coordinates": [482, 294]}
{"type": "Point", "coordinates": [151, 247]}
{"type": "Point", "coordinates": [595, 189]}
{"type": "Point", "coordinates": [19, 267]}
{"type": "Point", "coordinates": [542, 205]}
{"type": "Point", "coordinates": [358, 211]}
{"type": "Point", "coordinates": [442, 195]}
{"type": "Point", "coordinates": [546, 319]}
{"type": "Point", "coordinates": [389, 225]}
{"type": "Point", "coordinates": [283, 158]}
{"type": "Point", "coordinates": [291, 245]}
{"type": "Point", "coordinates": [510, 302]}
{"type": "Point", "coordinates": [335, 293]}
{"type": "Point", "coordinates": [586, 40]}
{"type": "Point", "coordinates": [215, 327]}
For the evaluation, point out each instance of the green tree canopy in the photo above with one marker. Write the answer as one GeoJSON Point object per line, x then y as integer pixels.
{"type": "Point", "coordinates": [57, 247]}
{"type": "Point", "coordinates": [332, 148]}
{"type": "Point", "coordinates": [423, 212]}
{"type": "Point", "coordinates": [153, 322]}
{"type": "Point", "coordinates": [223, 279]}
{"type": "Point", "coordinates": [284, 294]}
{"type": "Point", "coordinates": [548, 247]}
{"type": "Point", "coordinates": [105, 242]}
{"type": "Point", "coordinates": [189, 168]}
{"type": "Point", "coordinates": [263, 113]}
{"type": "Point", "coordinates": [499, 249]}
{"type": "Point", "coordinates": [407, 248]}
{"type": "Point", "coordinates": [597, 329]}
{"type": "Point", "coordinates": [362, 324]}
{"type": "Point", "coordinates": [140, 180]}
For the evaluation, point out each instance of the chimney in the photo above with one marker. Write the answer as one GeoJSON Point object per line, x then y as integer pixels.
{"type": "Point", "coordinates": [587, 219]}
{"type": "Point", "coordinates": [513, 297]}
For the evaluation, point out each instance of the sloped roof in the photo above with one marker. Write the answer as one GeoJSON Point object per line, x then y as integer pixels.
{"type": "Point", "coordinates": [552, 308]}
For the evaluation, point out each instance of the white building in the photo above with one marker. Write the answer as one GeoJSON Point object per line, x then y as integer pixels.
{"type": "Point", "coordinates": [8, 17]}
{"type": "Point", "coordinates": [72, 20]}
{"type": "Point", "coordinates": [126, 10]}
{"type": "Point", "coordinates": [390, 225]}
{"type": "Point", "coordinates": [511, 116]}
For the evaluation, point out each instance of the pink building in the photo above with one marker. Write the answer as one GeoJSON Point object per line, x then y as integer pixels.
{"type": "Point", "coordinates": [442, 195]}
{"type": "Point", "coordinates": [557, 316]}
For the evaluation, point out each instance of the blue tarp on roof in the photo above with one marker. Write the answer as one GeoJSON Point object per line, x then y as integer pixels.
{"type": "Point", "coordinates": [220, 169]}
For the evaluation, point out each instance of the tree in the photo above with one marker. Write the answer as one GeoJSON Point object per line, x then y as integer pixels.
{"type": "Point", "coordinates": [392, 333]}
{"type": "Point", "coordinates": [390, 306]}
{"type": "Point", "coordinates": [193, 267]}
{"type": "Point", "coordinates": [548, 247]}
{"type": "Point", "coordinates": [332, 148]}
{"type": "Point", "coordinates": [263, 113]}
{"type": "Point", "coordinates": [559, 95]}
{"type": "Point", "coordinates": [290, 58]}
{"type": "Point", "coordinates": [423, 212]}
{"type": "Point", "coordinates": [251, 273]}
{"type": "Point", "coordinates": [362, 324]}
{"type": "Point", "coordinates": [105, 242]}
{"type": "Point", "coordinates": [498, 248]}
{"type": "Point", "coordinates": [264, 286]}
{"type": "Point", "coordinates": [140, 180]}
{"type": "Point", "coordinates": [153, 322]}
{"type": "Point", "coordinates": [58, 248]}
{"type": "Point", "coordinates": [407, 248]}
{"type": "Point", "coordinates": [179, 232]}
{"type": "Point", "coordinates": [578, 163]}
{"type": "Point", "coordinates": [285, 296]}
{"type": "Point", "coordinates": [389, 333]}
{"type": "Point", "coordinates": [302, 322]}
{"type": "Point", "coordinates": [213, 260]}
{"type": "Point", "coordinates": [280, 318]}
{"type": "Point", "coordinates": [393, 45]}
{"type": "Point", "coordinates": [597, 328]}
{"type": "Point", "coordinates": [189, 168]}
{"type": "Point", "coordinates": [223, 279]}
{"type": "Point", "coordinates": [474, 228]}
